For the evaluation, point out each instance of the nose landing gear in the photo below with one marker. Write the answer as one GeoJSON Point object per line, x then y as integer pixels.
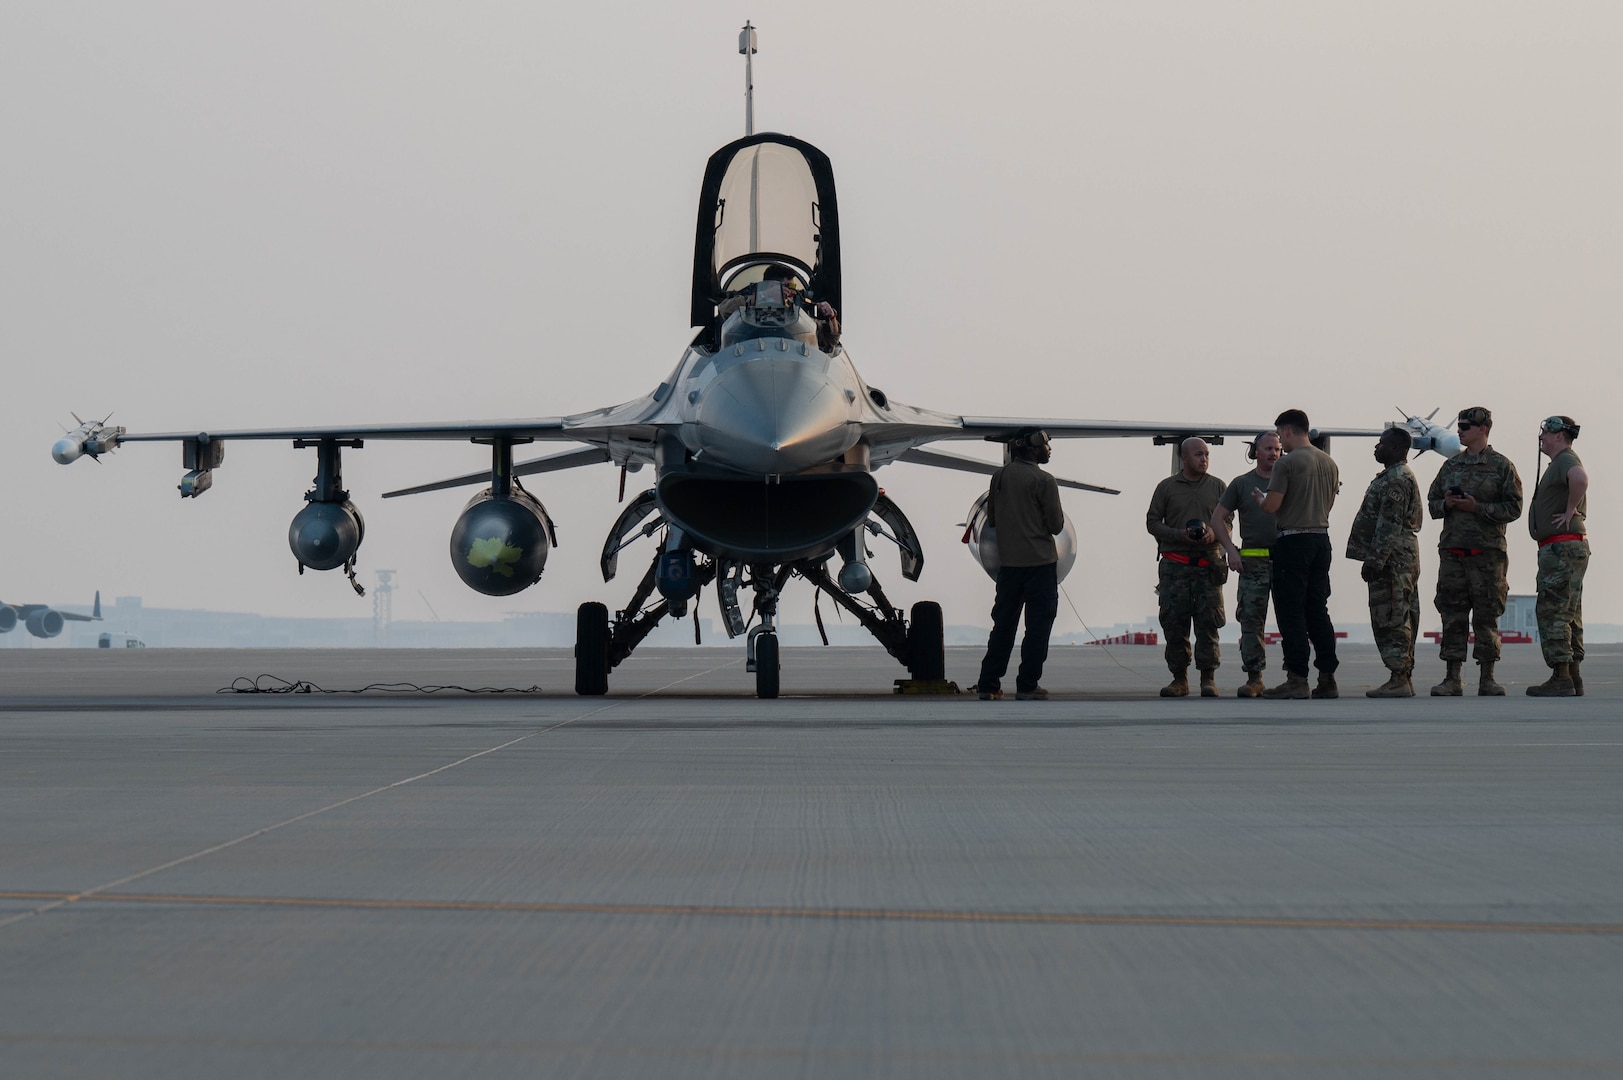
{"type": "Point", "coordinates": [601, 643]}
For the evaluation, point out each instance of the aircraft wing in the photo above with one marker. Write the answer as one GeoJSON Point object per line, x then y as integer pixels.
{"type": "Point", "coordinates": [460, 431]}
{"type": "Point", "coordinates": [624, 433]}
{"type": "Point", "coordinates": [1001, 428]}
{"type": "Point", "coordinates": [940, 460]}
{"type": "Point", "coordinates": [901, 430]}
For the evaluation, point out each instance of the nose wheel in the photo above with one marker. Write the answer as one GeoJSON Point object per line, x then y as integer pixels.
{"type": "Point", "coordinates": [761, 647]}
{"type": "Point", "coordinates": [766, 666]}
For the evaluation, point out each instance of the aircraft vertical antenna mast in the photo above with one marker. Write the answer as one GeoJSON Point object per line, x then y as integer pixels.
{"type": "Point", "coordinates": [746, 46]}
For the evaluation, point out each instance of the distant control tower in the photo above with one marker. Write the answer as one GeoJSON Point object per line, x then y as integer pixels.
{"type": "Point", "coordinates": [382, 607]}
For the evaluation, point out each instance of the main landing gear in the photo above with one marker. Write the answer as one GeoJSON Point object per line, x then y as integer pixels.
{"type": "Point", "coordinates": [679, 574]}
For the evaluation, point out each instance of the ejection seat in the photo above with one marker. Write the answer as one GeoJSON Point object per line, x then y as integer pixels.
{"type": "Point", "coordinates": [768, 311]}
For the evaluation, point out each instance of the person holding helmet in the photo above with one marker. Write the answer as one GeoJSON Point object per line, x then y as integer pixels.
{"type": "Point", "coordinates": [1556, 522]}
{"type": "Point", "coordinates": [1024, 507]}
{"type": "Point", "coordinates": [1476, 493]}
{"type": "Point", "coordinates": [1191, 570]}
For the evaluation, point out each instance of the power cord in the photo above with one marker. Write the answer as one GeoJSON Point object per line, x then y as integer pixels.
{"type": "Point", "coordinates": [1095, 636]}
{"type": "Point", "coordinates": [275, 684]}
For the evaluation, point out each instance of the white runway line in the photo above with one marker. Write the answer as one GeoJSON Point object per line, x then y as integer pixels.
{"type": "Point", "coordinates": [172, 863]}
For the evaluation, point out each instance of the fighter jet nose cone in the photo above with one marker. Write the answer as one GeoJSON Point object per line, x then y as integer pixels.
{"type": "Point", "coordinates": [773, 415]}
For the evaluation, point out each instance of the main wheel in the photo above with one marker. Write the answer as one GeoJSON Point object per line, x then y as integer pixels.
{"type": "Point", "coordinates": [766, 666]}
{"type": "Point", "coordinates": [592, 650]}
{"type": "Point", "coordinates": [927, 642]}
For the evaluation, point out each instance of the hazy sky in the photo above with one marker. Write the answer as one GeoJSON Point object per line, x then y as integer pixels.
{"type": "Point", "coordinates": [238, 215]}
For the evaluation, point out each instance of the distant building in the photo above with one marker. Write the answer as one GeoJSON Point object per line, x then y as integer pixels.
{"type": "Point", "coordinates": [1519, 616]}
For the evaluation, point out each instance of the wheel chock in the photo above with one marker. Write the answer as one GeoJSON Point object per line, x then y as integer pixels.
{"type": "Point", "coordinates": [927, 686]}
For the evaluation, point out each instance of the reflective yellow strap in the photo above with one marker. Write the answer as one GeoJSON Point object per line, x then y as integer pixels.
{"type": "Point", "coordinates": [1253, 553]}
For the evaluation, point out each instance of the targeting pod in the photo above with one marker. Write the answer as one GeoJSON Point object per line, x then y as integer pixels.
{"type": "Point", "coordinates": [981, 539]}
{"type": "Point", "coordinates": [674, 575]}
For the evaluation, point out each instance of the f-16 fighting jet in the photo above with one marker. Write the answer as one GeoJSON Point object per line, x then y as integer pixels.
{"type": "Point", "coordinates": [764, 441]}
{"type": "Point", "coordinates": [42, 620]}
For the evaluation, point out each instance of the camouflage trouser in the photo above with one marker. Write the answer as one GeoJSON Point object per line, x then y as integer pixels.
{"type": "Point", "coordinates": [1560, 600]}
{"type": "Point", "coordinates": [1471, 591]}
{"type": "Point", "coordinates": [1190, 594]}
{"type": "Point", "coordinates": [1251, 610]}
{"type": "Point", "coordinates": [1394, 613]}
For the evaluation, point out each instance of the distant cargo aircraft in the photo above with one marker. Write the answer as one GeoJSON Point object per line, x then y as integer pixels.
{"type": "Point", "coordinates": [42, 620]}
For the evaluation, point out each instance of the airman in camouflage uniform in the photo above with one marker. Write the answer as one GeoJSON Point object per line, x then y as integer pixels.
{"type": "Point", "coordinates": [1556, 521]}
{"type": "Point", "coordinates": [1476, 493]}
{"type": "Point", "coordinates": [1383, 539]}
{"type": "Point", "coordinates": [1251, 562]}
{"type": "Point", "coordinates": [1192, 571]}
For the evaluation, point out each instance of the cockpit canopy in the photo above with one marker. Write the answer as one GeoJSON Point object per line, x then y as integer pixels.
{"type": "Point", "coordinates": [766, 200]}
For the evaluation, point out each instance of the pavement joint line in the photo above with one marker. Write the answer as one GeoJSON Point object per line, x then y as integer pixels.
{"type": "Point", "coordinates": [1038, 918]}
{"type": "Point", "coordinates": [62, 900]}
{"type": "Point", "coordinates": [765, 1051]}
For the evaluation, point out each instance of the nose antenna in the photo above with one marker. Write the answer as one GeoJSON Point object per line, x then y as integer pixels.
{"type": "Point", "coordinates": [746, 49]}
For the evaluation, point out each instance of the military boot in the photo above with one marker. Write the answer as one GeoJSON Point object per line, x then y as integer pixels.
{"type": "Point", "coordinates": [1327, 687]}
{"type": "Point", "coordinates": [1253, 685]}
{"type": "Point", "coordinates": [1294, 686]}
{"type": "Point", "coordinates": [1486, 687]}
{"type": "Point", "coordinates": [1398, 685]}
{"type": "Point", "coordinates": [1559, 684]}
{"type": "Point", "coordinates": [1179, 686]}
{"type": "Point", "coordinates": [1450, 686]}
{"type": "Point", "coordinates": [1577, 679]}
{"type": "Point", "coordinates": [1208, 682]}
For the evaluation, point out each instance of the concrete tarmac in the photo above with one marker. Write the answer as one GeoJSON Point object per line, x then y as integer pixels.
{"type": "Point", "coordinates": [679, 880]}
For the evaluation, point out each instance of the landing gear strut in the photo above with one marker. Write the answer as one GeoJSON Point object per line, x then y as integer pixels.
{"type": "Point", "coordinates": [600, 644]}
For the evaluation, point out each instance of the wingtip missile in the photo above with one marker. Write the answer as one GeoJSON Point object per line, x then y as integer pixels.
{"type": "Point", "coordinates": [91, 437]}
{"type": "Point", "coordinates": [1425, 434]}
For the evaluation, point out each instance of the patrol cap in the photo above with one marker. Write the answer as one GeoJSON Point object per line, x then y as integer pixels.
{"type": "Point", "coordinates": [1476, 415]}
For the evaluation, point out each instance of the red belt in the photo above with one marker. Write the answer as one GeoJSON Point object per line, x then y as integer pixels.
{"type": "Point", "coordinates": [1462, 552]}
{"type": "Point", "coordinates": [1187, 560]}
{"type": "Point", "coordinates": [1560, 539]}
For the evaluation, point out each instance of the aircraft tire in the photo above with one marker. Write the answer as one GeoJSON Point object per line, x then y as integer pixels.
{"type": "Point", "coordinates": [592, 650]}
{"type": "Point", "coordinates": [766, 666]}
{"type": "Point", "coordinates": [926, 642]}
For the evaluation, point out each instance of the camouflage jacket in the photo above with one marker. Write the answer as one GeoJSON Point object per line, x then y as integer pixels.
{"type": "Point", "coordinates": [1493, 480]}
{"type": "Point", "coordinates": [1388, 520]}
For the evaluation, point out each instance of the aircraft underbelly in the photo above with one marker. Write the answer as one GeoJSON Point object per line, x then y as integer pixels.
{"type": "Point", "coordinates": [759, 522]}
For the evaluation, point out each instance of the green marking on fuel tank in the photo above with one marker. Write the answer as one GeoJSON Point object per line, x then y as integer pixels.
{"type": "Point", "coordinates": [494, 553]}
